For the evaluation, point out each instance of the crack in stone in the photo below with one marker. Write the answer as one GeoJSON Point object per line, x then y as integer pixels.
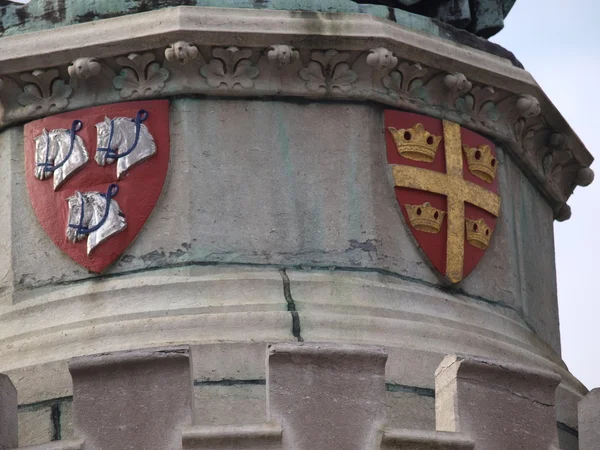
{"type": "Point", "coordinates": [291, 306]}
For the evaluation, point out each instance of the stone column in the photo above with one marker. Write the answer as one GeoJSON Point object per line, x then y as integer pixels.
{"type": "Point", "coordinates": [500, 406]}
{"type": "Point", "coordinates": [8, 413]}
{"type": "Point", "coordinates": [589, 421]}
{"type": "Point", "coordinates": [327, 396]}
{"type": "Point", "coordinates": [132, 400]}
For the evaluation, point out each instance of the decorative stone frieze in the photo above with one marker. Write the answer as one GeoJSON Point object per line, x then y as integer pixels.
{"type": "Point", "coordinates": [395, 67]}
{"type": "Point", "coordinates": [230, 67]}
{"type": "Point", "coordinates": [43, 91]}
{"type": "Point", "coordinates": [141, 76]}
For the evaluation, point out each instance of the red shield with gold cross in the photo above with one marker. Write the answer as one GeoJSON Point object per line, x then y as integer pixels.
{"type": "Point", "coordinates": [447, 188]}
{"type": "Point", "coordinates": [95, 175]}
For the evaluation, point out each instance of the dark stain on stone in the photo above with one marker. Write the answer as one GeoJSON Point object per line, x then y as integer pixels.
{"type": "Point", "coordinates": [154, 257]}
{"type": "Point", "coordinates": [367, 246]}
{"type": "Point", "coordinates": [127, 259]}
{"type": "Point", "coordinates": [91, 16]}
{"type": "Point", "coordinates": [260, 4]}
{"type": "Point", "coordinates": [54, 12]}
{"type": "Point", "coordinates": [177, 254]}
{"type": "Point", "coordinates": [22, 14]}
{"type": "Point", "coordinates": [187, 246]}
{"type": "Point", "coordinates": [55, 418]}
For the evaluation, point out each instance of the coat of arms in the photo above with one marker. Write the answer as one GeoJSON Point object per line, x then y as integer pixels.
{"type": "Point", "coordinates": [446, 185]}
{"type": "Point", "coordinates": [94, 176]}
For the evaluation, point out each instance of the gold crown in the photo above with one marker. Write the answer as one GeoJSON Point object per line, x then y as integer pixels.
{"type": "Point", "coordinates": [416, 143]}
{"type": "Point", "coordinates": [481, 162]}
{"type": "Point", "coordinates": [425, 217]}
{"type": "Point", "coordinates": [478, 233]}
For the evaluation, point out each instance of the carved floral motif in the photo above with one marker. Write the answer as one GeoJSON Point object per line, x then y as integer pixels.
{"type": "Point", "coordinates": [44, 92]}
{"type": "Point", "coordinates": [140, 76]}
{"type": "Point", "coordinates": [231, 67]}
{"type": "Point", "coordinates": [478, 105]}
{"type": "Point", "coordinates": [406, 81]}
{"type": "Point", "coordinates": [328, 71]}
{"type": "Point", "coordinates": [513, 118]}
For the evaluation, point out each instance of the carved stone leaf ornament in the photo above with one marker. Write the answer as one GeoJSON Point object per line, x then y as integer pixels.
{"type": "Point", "coordinates": [141, 75]}
{"type": "Point", "coordinates": [356, 71]}
{"type": "Point", "coordinates": [231, 67]}
{"type": "Point", "coordinates": [328, 71]}
{"type": "Point", "coordinates": [479, 105]}
{"type": "Point", "coordinates": [406, 81]}
{"type": "Point", "coordinates": [45, 91]}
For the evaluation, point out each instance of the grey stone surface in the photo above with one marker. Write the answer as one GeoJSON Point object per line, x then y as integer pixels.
{"type": "Point", "coordinates": [424, 440]}
{"type": "Point", "coordinates": [409, 410]}
{"type": "Point", "coordinates": [230, 405]}
{"type": "Point", "coordinates": [8, 414]}
{"type": "Point", "coordinates": [229, 361]}
{"type": "Point", "coordinates": [500, 406]}
{"type": "Point", "coordinates": [67, 426]}
{"type": "Point", "coordinates": [9, 139]}
{"type": "Point", "coordinates": [568, 441]}
{"type": "Point", "coordinates": [71, 444]}
{"type": "Point", "coordinates": [589, 421]}
{"type": "Point", "coordinates": [132, 400]}
{"type": "Point", "coordinates": [235, 437]}
{"type": "Point", "coordinates": [327, 396]}
{"type": "Point", "coordinates": [35, 426]}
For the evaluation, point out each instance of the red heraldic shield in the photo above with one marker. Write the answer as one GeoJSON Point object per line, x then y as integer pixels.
{"type": "Point", "coordinates": [447, 188]}
{"type": "Point", "coordinates": [95, 175]}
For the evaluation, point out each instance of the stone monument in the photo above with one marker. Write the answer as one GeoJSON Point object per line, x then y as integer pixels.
{"type": "Point", "coordinates": [280, 225]}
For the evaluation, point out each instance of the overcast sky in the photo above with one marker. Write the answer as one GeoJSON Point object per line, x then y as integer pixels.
{"type": "Point", "coordinates": [557, 41]}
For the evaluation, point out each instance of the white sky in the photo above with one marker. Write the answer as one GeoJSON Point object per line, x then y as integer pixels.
{"type": "Point", "coordinates": [557, 41]}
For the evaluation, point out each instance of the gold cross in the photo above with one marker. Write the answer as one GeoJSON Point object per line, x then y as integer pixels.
{"type": "Point", "coordinates": [457, 191]}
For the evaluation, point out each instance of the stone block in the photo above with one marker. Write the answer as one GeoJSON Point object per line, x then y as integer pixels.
{"type": "Point", "coordinates": [227, 361]}
{"type": "Point", "coordinates": [500, 406]}
{"type": "Point", "coordinates": [327, 396]}
{"type": "Point", "coordinates": [66, 420]}
{"type": "Point", "coordinates": [8, 413]}
{"type": "Point", "coordinates": [229, 404]}
{"type": "Point", "coordinates": [132, 400]}
{"type": "Point", "coordinates": [240, 437]}
{"type": "Point", "coordinates": [424, 440]}
{"type": "Point", "coordinates": [589, 421]}
{"type": "Point", "coordinates": [410, 410]}
{"type": "Point", "coordinates": [74, 444]}
{"type": "Point", "coordinates": [35, 425]}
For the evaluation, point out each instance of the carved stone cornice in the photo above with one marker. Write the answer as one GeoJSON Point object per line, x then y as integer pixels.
{"type": "Point", "coordinates": [225, 52]}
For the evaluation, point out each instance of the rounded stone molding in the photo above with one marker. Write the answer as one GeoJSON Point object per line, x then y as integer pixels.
{"type": "Point", "coordinates": [585, 176]}
{"type": "Point", "coordinates": [564, 213]}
